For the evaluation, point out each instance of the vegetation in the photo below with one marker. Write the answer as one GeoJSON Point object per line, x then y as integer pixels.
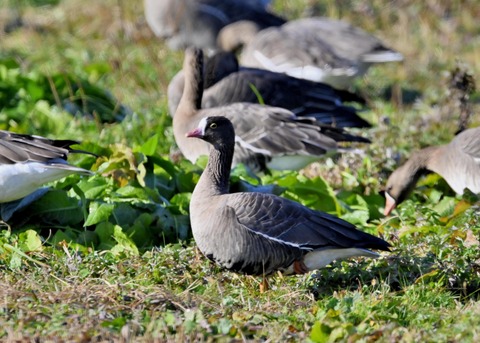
{"type": "Point", "coordinates": [111, 257]}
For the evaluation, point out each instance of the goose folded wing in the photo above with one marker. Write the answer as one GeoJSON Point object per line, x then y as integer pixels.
{"type": "Point", "coordinates": [469, 143]}
{"type": "Point", "coordinates": [293, 224]}
{"type": "Point", "coordinates": [278, 131]}
{"type": "Point", "coordinates": [21, 148]}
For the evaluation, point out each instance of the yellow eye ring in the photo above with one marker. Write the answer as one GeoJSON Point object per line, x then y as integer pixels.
{"type": "Point", "coordinates": [213, 125]}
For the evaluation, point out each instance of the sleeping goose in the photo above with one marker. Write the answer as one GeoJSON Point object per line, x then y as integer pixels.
{"type": "Point", "coordinates": [197, 22]}
{"type": "Point", "coordinates": [457, 162]}
{"type": "Point", "coordinates": [318, 49]}
{"type": "Point", "coordinates": [258, 233]}
{"type": "Point", "coordinates": [27, 162]}
{"type": "Point", "coordinates": [226, 83]}
{"type": "Point", "coordinates": [267, 137]}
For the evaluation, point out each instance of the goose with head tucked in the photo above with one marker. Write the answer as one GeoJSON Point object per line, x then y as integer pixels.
{"type": "Point", "coordinates": [266, 137]}
{"type": "Point", "coordinates": [226, 83]}
{"type": "Point", "coordinates": [458, 162]}
{"type": "Point", "coordinates": [184, 23]}
{"type": "Point", "coordinates": [317, 49]}
{"type": "Point", "coordinates": [258, 233]}
{"type": "Point", "coordinates": [27, 162]}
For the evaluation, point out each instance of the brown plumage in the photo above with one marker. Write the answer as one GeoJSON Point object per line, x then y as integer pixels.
{"type": "Point", "coordinates": [257, 233]}
{"type": "Point", "coordinates": [226, 83]}
{"type": "Point", "coordinates": [457, 162]}
{"type": "Point", "coordinates": [266, 136]}
{"type": "Point", "coordinates": [184, 23]}
{"type": "Point", "coordinates": [317, 49]}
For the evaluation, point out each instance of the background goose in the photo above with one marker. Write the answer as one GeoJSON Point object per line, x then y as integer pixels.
{"type": "Point", "coordinates": [197, 22]}
{"type": "Point", "coordinates": [226, 83]}
{"type": "Point", "coordinates": [457, 162]}
{"type": "Point", "coordinates": [317, 49]}
{"type": "Point", "coordinates": [267, 137]}
{"type": "Point", "coordinates": [257, 233]}
{"type": "Point", "coordinates": [28, 162]}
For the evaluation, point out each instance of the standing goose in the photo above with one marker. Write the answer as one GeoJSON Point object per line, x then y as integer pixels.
{"type": "Point", "coordinates": [257, 233]}
{"type": "Point", "coordinates": [226, 83]}
{"type": "Point", "coordinates": [457, 162]}
{"type": "Point", "coordinates": [267, 137]}
{"type": "Point", "coordinates": [186, 23]}
{"type": "Point", "coordinates": [27, 162]}
{"type": "Point", "coordinates": [317, 49]}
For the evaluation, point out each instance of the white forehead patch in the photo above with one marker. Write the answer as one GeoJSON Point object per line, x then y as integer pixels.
{"type": "Point", "coordinates": [202, 125]}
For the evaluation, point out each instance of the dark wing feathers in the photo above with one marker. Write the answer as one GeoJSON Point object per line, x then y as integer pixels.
{"type": "Point", "coordinates": [287, 221]}
{"type": "Point", "coordinates": [238, 10]}
{"type": "Point", "coordinates": [303, 97]}
{"type": "Point", "coordinates": [21, 148]}
{"type": "Point", "coordinates": [265, 132]}
{"type": "Point", "coordinates": [272, 128]}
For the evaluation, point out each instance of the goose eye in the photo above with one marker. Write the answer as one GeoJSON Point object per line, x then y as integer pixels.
{"type": "Point", "coordinates": [213, 125]}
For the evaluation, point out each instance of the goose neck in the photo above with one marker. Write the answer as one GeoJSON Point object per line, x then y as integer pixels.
{"type": "Point", "coordinates": [217, 173]}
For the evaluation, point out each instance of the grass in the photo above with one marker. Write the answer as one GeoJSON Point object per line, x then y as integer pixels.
{"type": "Point", "coordinates": [128, 277]}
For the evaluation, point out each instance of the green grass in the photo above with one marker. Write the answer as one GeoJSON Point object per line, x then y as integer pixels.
{"type": "Point", "coordinates": [122, 266]}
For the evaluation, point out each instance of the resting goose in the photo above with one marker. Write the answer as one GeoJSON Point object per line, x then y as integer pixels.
{"type": "Point", "coordinates": [457, 162]}
{"type": "Point", "coordinates": [27, 162]}
{"type": "Point", "coordinates": [267, 137]}
{"type": "Point", "coordinates": [258, 233]}
{"type": "Point", "coordinates": [197, 22]}
{"type": "Point", "coordinates": [226, 83]}
{"type": "Point", "coordinates": [317, 49]}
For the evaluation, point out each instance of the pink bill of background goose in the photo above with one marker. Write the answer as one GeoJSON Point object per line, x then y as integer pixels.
{"type": "Point", "coordinates": [267, 137]}
{"type": "Point", "coordinates": [225, 83]}
{"type": "Point", "coordinates": [184, 23]}
{"type": "Point", "coordinates": [258, 233]}
{"type": "Point", "coordinates": [457, 162]}
{"type": "Point", "coordinates": [317, 49]}
{"type": "Point", "coordinates": [27, 162]}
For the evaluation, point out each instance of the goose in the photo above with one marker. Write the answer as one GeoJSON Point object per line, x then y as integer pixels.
{"type": "Point", "coordinates": [458, 162]}
{"type": "Point", "coordinates": [258, 233]}
{"type": "Point", "coordinates": [197, 22]}
{"type": "Point", "coordinates": [318, 49]}
{"type": "Point", "coordinates": [27, 162]}
{"type": "Point", "coordinates": [267, 137]}
{"type": "Point", "coordinates": [225, 83]}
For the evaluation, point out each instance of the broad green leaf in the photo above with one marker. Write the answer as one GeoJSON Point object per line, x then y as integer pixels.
{"type": "Point", "coordinates": [320, 333]}
{"type": "Point", "coordinates": [29, 241]}
{"type": "Point", "coordinates": [58, 208]}
{"type": "Point", "coordinates": [88, 238]}
{"type": "Point", "coordinates": [93, 187]}
{"type": "Point", "coordinates": [104, 231]}
{"type": "Point", "coordinates": [141, 232]}
{"type": "Point", "coordinates": [357, 208]}
{"type": "Point", "coordinates": [124, 243]}
{"type": "Point", "coordinates": [62, 235]}
{"type": "Point", "coordinates": [132, 192]}
{"type": "Point", "coordinates": [149, 147]}
{"type": "Point", "coordinates": [181, 201]}
{"type": "Point", "coordinates": [98, 212]}
{"type": "Point", "coordinates": [445, 207]}
{"type": "Point", "coordinates": [126, 213]}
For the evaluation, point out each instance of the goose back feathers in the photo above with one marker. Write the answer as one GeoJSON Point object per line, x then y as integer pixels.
{"type": "Point", "coordinates": [184, 23]}
{"type": "Point", "coordinates": [226, 83]}
{"type": "Point", "coordinates": [267, 137]}
{"type": "Point", "coordinates": [257, 233]}
{"type": "Point", "coordinates": [27, 162]}
{"type": "Point", "coordinates": [457, 162]}
{"type": "Point", "coordinates": [317, 49]}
